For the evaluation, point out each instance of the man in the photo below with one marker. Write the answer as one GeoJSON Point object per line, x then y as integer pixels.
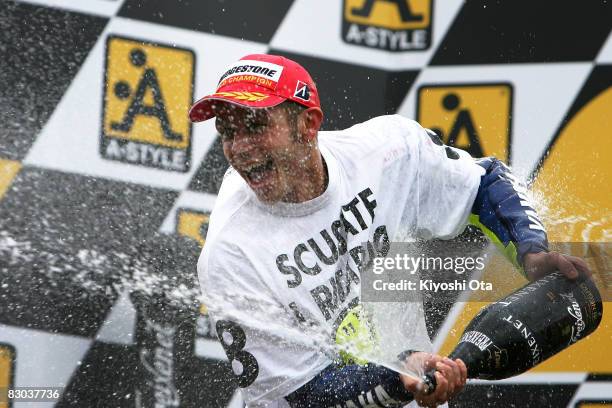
{"type": "Point", "coordinates": [284, 246]}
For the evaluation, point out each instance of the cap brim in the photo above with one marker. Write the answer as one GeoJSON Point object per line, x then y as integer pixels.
{"type": "Point", "coordinates": [203, 109]}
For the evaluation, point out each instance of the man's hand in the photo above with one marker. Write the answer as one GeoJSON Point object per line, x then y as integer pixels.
{"type": "Point", "coordinates": [450, 377]}
{"type": "Point", "coordinates": [543, 263]}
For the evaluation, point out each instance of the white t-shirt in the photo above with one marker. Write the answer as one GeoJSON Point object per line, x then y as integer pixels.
{"type": "Point", "coordinates": [265, 268]}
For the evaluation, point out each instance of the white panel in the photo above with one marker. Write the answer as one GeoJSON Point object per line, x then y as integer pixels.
{"type": "Point", "coordinates": [44, 359]}
{"type": "Point", "coordinates": [209, 349]}
{"type": "Point", "coordinates": [70, 140]}
{"type": "Point", "coordinates": [236, 401]}
{"type": "Point", "coordinates": [600, 390]}
{"type": "Point", "coordinates": [542, 94]}
{"type": "Point", "coordinates": [308, 30]}
{"type": "Point", "coordinates": [119, 326]}
{"type": "Point", "coordinates": [605, 54]}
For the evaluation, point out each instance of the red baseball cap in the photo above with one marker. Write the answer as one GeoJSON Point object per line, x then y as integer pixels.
{"type": "Point", "coordinates": [259, 81]}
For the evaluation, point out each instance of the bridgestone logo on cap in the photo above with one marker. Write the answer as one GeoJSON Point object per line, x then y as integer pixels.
{"type": "Point", "coordinates": [301, 91]}
{"type": "Point", "coordinates": [261, 69]}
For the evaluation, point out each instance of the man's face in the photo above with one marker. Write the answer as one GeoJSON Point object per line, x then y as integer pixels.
{"type": "Point", "coordinates": [262, 145]}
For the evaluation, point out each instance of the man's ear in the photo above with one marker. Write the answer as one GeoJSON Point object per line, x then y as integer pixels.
{"type": "Point", "coordinates": [309, 121]}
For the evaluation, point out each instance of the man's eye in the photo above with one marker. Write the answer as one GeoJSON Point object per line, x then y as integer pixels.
{"type": "Point", "coordinates": [257, 127]}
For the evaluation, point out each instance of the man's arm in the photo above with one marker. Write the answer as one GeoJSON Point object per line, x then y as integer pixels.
{"type": "Point", "coordinates": [500, 207]}
{"type": "Point", "coordinates": [374, 385]}
{"type": "Point", "coordinates": [504, 213]}
{"type": "Point", "coordinates": [337, 385]}
{"type": "Point", "coordinates": [502, 210]}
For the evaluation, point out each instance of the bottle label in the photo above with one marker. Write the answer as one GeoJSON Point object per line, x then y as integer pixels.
{"type": "Point", "coordinates": [592, 308]}
{"type": "Point", "coordinates": [532, 287]}
{"type": "Point", "coordinates": [527, 334]}
{"type": "Point", "coordinates": [480, 340]}
{"type": "Point", "coordinates": [574, 311]}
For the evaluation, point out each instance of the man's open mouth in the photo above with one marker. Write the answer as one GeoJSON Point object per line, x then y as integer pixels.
{"type": "Point", "coordinates": [258, 173]}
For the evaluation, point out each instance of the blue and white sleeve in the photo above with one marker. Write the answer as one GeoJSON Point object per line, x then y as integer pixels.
{"type": "Point", "coordinates": [503, 211]}
{"type": "Point", "coordinates": [456, 189]}
{"type": "Point", "coordinates": [367, 385]}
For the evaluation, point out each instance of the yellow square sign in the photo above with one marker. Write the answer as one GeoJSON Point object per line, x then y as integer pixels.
{"type": "Point", "coordinates": [392, 25]}
{"type": "Point", "coordinates": [472, 117]}
{"type": "Point", "coordinates": [148, 90]}
{"type": "Point", "coordinates": [192, 224]}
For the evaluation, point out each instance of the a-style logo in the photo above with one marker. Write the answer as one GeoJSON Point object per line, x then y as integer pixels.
{"type": "Point", "coordinates": [148, 90]}
{"type": "Point", "coordinates": [192, 224]}
{"type": "Point", "coordinates": [392, 25]}
{"type": "Point", "coordinates": [472, 117]}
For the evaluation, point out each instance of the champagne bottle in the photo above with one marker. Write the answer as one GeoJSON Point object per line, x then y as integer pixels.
{"type": "Point", "coordinates": [512, 335]}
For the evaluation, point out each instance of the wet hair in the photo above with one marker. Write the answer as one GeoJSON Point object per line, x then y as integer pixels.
{"type": "Point", "coordinates": [293, 110]}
